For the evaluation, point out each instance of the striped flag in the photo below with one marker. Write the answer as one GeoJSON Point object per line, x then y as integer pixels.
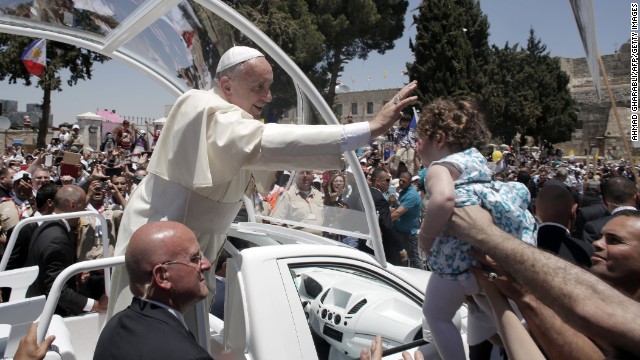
{"type": "Point", "coordinates": [34, 57]}
{"type": "Point", "coordinates": [414, 118]}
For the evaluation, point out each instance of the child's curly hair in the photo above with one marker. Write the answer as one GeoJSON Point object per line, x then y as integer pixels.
{"type": "Point", "coordinates": [459, 119]}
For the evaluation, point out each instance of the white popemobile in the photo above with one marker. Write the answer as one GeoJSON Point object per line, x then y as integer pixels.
{"type": "Point", "coordinates": [289, 294]}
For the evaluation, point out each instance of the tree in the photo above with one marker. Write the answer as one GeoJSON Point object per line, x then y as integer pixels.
{"type": "Point", "coordinates": [353, 29]}
{"type": "Point", "coordinates": [557, 119]}
{"type": "Point", "coordinates": [323, 35]}
{"type": "Point", "coordinates": [451, 49]}
{"type": "Point", "coordinates": [527, 94]}
{"type": "Point", "coordinates": [76, 61]}
{"type": "Point", "coordinates": [508, 97]}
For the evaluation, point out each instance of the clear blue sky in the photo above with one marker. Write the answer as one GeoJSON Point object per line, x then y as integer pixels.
{"type": "Point", "coordinates": [115, 86]}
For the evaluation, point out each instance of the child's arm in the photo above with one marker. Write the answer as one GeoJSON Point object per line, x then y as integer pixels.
{"type": "Point", "coordinates": [439, 182]}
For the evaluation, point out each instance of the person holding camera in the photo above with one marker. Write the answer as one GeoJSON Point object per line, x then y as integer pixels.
{"type": "Point", "coordinates": [90, 244]}
{"type": "Point", "coordinates": [118, 192]}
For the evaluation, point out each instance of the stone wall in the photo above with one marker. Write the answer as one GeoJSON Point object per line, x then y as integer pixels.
{"type": "Point", "coordinates": [28, 138]}
{"type": "Point", "coordinates": [595, 115]}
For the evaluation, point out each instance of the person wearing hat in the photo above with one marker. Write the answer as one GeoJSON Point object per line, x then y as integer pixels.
{"type": "Point", "coordinates": [405, 140]}
{"type": "Point", "coordinates": [213, 145]}
{"type": "Point", "coordinates": [125, 136]}
{"type": "Point", "coordinates": [141, 143]}
{"type": "Point", "coordinates": [75, 139]}
{"type": "Point", "coordinates": [17, 206]}
{"type": "Point", "coordinates": [109, 143]}
{"type": "Point", "coordinates": [54, 145]}
{"type": "Point", "coordinates": [64, 136]}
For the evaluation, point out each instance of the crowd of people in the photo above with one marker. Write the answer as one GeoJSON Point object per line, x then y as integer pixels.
{"type": "Point", "coordinates": [445, 201]}
{"type": "Point", "coordinates": [556, 204]}
{"type": "Point", "coordinates": [101, 182]}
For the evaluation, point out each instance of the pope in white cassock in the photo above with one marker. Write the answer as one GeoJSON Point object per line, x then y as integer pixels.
{"type": "Point", "coordinates": [211, 145]}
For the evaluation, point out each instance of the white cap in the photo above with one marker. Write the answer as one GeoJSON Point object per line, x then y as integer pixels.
{"type": "Point", "coordinates": [237, 55]}
{"type": "Point", "coordinates": [75, 126]}
{"type": "Point", "coordinates": [415, 178]}
{"type": "Point", "coordinates": [19, 175]}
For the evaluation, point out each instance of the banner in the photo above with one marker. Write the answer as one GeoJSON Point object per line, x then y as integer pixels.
{"type": "Point", "coordinates": [34, 57]}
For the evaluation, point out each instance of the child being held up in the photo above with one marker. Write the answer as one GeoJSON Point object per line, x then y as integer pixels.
{"type": "Point", "coordinates": [450, 130]}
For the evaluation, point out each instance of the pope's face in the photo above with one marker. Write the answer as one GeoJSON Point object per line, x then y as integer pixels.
{"type": "Point", "coordinates": [250, 87]}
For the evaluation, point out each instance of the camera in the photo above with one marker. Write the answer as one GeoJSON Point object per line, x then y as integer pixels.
{"type": "Point", "coordinates": [104, 186]}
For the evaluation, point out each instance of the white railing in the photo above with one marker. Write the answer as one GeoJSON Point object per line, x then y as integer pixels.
{"type": "Point", "coordinates": [105, 237]}
{"type": "Point", "coordinates": [59, 283]}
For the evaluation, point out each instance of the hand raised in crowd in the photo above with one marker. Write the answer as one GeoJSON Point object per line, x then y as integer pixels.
{"type": "Point", "coordinates": [39, 159]}
{"type": "Point", "coordinates": [29, 349]}
{"type": "Point", "coordinates": [143, 159]}
{"type": "Point", "coordinates": [98, 173]}
{"type": "Point", "coordinates": [126, 172]}
{"type": "Point", "coordinates": [392, 110]}
{"type": "Point", "coordinates": [67, 180]}
{"type": "Point", "coordinates": [24, 185]}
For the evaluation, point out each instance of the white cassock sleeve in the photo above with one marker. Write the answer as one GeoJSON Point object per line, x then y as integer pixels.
{"type": "Point", "coordinates": [207, 141]}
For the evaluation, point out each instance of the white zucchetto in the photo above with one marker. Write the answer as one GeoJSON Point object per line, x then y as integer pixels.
{"type": "Point", "coordinates": [236, 55]}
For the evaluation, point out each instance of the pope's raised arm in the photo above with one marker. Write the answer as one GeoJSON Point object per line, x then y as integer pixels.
{"type": "Point", "coordinates": [210, 145]}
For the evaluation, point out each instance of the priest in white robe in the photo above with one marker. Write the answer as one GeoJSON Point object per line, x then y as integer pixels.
{"type": "Point", "coordinates": [211, 145]}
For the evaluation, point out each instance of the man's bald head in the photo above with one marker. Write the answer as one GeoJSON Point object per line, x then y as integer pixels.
{"type": "Point", "coordinates": [70, 198]}
{"type": "Point", "coordinates": [150, 245]}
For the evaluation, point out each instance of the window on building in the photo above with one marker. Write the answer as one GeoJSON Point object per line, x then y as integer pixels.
{"type": "Point", "coordinates": [369, 107]}
{"type": "Point", "coordinates": [354, 108]}
{"type": "Point", "coordinates": [339, 109]}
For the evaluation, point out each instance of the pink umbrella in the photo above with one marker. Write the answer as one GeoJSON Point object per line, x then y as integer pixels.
{"type": "Point", "coordinates": [110, 116]}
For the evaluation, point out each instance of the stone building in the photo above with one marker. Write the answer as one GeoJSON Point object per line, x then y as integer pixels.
{"type": "Point", "coordinates": [356, 106]}
{"type": "Point", "coordinates": [597, 127]}
{"type": "Point", "coordinates": [9, 109]}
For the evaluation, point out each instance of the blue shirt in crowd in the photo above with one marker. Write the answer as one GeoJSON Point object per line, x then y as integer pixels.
{"type": "Point", "coordinates": [409, 222]}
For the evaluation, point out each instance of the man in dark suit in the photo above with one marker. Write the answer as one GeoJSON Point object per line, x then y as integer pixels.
{"type": "Point", "coordinates": [592, 194]}
{"type": "Point", "coordinates": [166, 269]}
{"type": "Point", "coordinates": [52, 250]}
{"type": "Point", "coordinates": [556, 209]}
{"type": "Point", "coordinates": [45, 197]}
{"type": "Point", "coordinates": [392, 242]}
{"type": "Point", "coordinates": [618, 193]}
{"type": "Point", "coordinates": [591, 207]}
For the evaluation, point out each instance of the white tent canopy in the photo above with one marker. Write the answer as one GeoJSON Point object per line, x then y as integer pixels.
{"type": "Point", "coordinates": [88, 116]}
{"type": "Point", "coordinates": [160, 121]}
